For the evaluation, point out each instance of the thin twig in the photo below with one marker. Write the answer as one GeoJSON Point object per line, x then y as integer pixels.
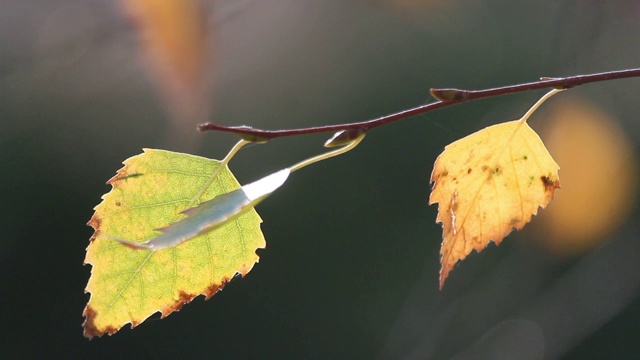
{"type": "Point", "coordinates": [446, 97]}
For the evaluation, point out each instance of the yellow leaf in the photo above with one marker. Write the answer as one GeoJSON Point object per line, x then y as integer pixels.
{"type": "Point", "coordinates": [488, 184]}
{"type": "Point", "coordinates": [149, 192]}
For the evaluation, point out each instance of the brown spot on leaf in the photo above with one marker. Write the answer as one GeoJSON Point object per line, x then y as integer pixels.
{"type": "Point", "coordinates": [94, 222]}
{"type": "Point", "coordinates": [550, 185]}
{"type": "Point", "coordinates": [214, 288]}
{"type": "Point", "coordinates": [118, 203]}
{"type": "Point", "coordinates": [133, 246]}
{"type": "Point", "coordinates": [122, 174]}
{"type": "Point", "coordinates": [90, 328]}
{"type": "Point", "coordinates": [119, 175]}
{"type": "Point", "coordinates": [184, 298]}
{"type": "Point", "coordinates": [469, 171]}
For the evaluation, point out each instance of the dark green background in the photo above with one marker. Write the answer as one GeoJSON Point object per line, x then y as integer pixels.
{"type": "Point", "coordinates": [351, 266]}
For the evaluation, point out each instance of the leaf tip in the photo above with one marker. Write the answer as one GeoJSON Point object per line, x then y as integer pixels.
{"type": "Point", "coordinates": [443, 277]}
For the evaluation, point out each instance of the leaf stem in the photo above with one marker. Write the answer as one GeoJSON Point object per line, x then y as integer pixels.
{"type": "Point", "coordinates": [223, 163]}
{"type": "Point", "coordinates": [446, 97]}
{"type": "Point", "coordinates": [535, 106]}
{"type": "Point", "coordinates": [329, 154]}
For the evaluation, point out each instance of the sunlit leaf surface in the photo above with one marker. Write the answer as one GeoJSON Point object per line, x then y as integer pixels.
{"type": "Point", "coordinates": [488, 184]}
{"type": "Point", "coordinates": [150, 192]}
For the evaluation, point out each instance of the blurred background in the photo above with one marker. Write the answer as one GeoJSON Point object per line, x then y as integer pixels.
{"type": "Point", "coordinates": [351, 264]}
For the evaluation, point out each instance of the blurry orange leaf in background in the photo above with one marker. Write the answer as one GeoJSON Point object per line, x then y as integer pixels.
{"type": "Point", "coordinates": [488, 184]}
{"type": "Point", "coordinates": [174, 38]}
{"type": "Point", "coordinates": [599, 177]}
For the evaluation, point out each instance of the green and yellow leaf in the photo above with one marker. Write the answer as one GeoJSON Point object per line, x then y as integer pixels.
{"type": "Point", "coordinates": [150, 192]}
